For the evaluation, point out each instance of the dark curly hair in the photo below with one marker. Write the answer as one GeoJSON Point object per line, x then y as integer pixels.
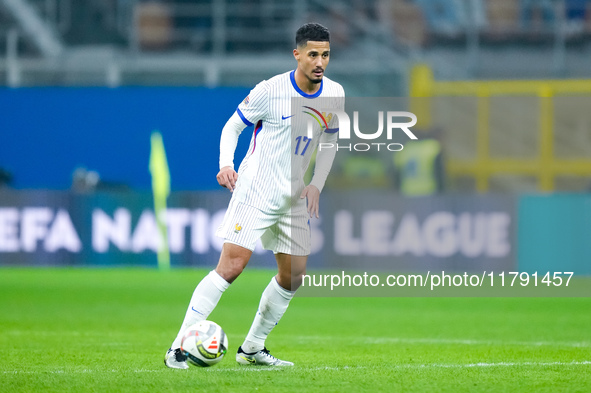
{"type": "Point", "coordinates": [311, 32]}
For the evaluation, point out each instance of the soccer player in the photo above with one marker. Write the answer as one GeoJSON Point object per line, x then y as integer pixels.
{"type": "Point", "coordinates": [269, 198]}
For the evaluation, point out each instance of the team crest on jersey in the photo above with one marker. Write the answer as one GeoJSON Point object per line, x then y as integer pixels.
{"type": "Point", "coordinates": [237, 228]}
{"type": "Point", "coordinates": [246, 100]}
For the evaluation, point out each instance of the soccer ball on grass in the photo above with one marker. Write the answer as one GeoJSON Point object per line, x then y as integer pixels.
{"type": "Point", "coordinates": [204, 344]}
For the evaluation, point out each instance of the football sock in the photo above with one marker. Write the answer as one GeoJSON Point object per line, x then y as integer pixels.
{"type": "Point", "coordinates": [205, 297]}
{"type": "Point", "coordinates": [274, 302]}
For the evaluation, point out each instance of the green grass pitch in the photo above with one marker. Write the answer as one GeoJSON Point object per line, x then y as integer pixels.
{"type": "Point", "coordinates": [107, 330]}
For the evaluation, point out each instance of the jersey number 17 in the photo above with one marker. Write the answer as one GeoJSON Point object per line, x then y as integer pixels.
{"type": "Point", "coordinates": [302, 140]}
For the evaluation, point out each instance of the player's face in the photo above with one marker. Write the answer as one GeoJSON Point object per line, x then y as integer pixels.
{"type": "Point", "coordinates": [313, 59]}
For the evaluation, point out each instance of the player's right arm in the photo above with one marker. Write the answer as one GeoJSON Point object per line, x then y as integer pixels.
{"type": "Point", "coordinates": [251, 110]}
{"type": "Point", "coordinates": [227, 176]}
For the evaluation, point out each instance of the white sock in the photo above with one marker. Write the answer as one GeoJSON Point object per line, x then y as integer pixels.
{"type": "Point", "coordinates": [205, 297]}
{"type": "Point", "coordinates": [274, 302]}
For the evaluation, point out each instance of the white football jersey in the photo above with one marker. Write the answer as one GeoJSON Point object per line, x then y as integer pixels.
{"type": "Point", "coordinates": [271, 176]}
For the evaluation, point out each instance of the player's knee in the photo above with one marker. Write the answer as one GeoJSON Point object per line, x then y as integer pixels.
{"type": "Point", "coordinates": [232, 262]}
{"type": "Point", "coordinates": [290, 280]}
{"type": "Point", "coordinates": [296, 280]}
{"type": "Point", "coordinates": [231, 268]}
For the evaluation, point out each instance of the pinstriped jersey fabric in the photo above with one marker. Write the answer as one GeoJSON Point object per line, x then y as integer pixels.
{"type": "Point", "coordinates": [272, 171]}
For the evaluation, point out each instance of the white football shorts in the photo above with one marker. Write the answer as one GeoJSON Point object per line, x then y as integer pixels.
{"type": "Point", "coordinates": [287, 233]}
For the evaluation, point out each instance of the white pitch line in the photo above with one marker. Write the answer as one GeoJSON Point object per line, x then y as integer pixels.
{"type": "Point", "coordinates": [370, 340]}
{"type": "Point", "coordinates": [477, 342]}
{"type": "Point", "coordinates": [445, 341]}
{"type": "Point", "coordinates": [499, 364]}
{"type": "Point", "coordinates": [326, 368]}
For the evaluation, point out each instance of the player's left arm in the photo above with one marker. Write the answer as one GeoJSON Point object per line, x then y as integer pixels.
{"type": "Point", "coordinates": [324, 160]}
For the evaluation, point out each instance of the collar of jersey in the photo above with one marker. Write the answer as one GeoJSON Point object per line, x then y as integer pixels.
{"type": "Point", "coordinates": [295, 86]}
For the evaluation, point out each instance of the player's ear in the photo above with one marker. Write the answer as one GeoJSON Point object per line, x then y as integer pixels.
{"type": "Point", "coordinates": [296, 54]}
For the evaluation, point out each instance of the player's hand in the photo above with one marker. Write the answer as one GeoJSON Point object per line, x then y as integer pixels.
{"type": "Point", "coordinates": [227, 177]}
{"type": "Point", "coordinates": [313, 194]}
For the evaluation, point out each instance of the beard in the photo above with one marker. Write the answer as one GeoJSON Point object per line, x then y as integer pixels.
{"type": "Point", "coordinates": [315, 80]}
